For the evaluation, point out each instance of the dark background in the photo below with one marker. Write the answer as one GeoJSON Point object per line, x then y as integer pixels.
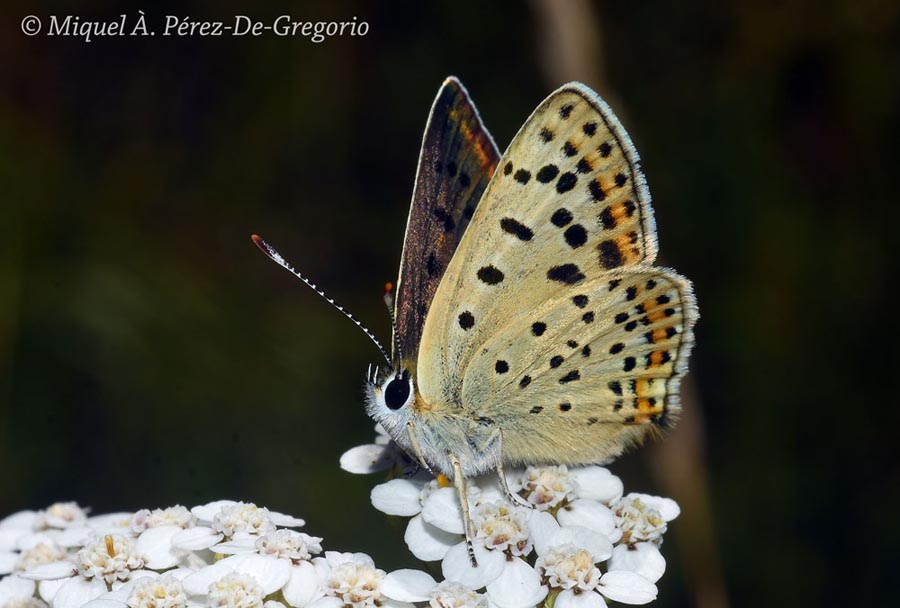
{"type": "Point", "coordinates": [149, 355]}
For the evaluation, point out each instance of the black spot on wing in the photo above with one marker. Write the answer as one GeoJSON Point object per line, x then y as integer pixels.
{"type": "Point", "coordinates": [575, 236]}
{"type": "Point", "coordinates": [490, 275]}
{"type": "Point", "coordinates": [610, 256]}
{"type": "Point", "coordinates": [588, 317]}
{"type": "Point", "coordinates": [561, 217]}
{"type": "Point", "coordinates": [522, 176]}
{"type": "Point", "coordinates": [501, 367]}
{"type": "Point", "coordinates": [565, 273]}
{"type": "Point", "coordinates": [546, 134]}
{"type": "Point", "coordinates": [432, 266]}
{"type": "Point", "coordinates": [516, 228]}
{"type": "Point", "coordinates": [616, 348]}
{"type": "Point", "coordinates": [446, 220]}
{"type": "Point", "coordinates": [569, 149]}
{"type": "Point", "coordinates": [566, 182]}
{"type": "Point", "coordinates": [536, 409]}
{"type": "Point", "coordinates": [596, 190]}
{"type": "Point", "coordinates": [565, 407]}
{"type": "Point", "coordinates": [566, 111]}
{"type": "Point", "coordinates": [507, 168]}
{"type": "Point", "coordinates": [604, 149]}
{"type": "Point", "coordinates": [525, 381]}
{"type": "Point", "coordinates": [589, 128]}
{"type": "Point", "coordinates": [572, 376]}
{"type": "Point", "coordinates": [547, 174]}
{"type": "Point", "coordinates": [556, 361]}
{"type": "Point", "coordinates": [466, 320]}
{"type": "Point", "coordinates": [580, 300]}
{"type": "Point", "coordinates": [538, 328]}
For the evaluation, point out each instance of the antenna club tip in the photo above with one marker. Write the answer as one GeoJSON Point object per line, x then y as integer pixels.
{"type": "Point", "coordinates": [388, 288]}
{"type": "Point", "coordinates": [256, 238]}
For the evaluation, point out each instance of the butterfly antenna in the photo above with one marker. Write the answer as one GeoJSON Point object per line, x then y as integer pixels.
{"type": "Point", "coordinates": [389, 302]}
{"type": "Point", "coordinates": [278, 259]}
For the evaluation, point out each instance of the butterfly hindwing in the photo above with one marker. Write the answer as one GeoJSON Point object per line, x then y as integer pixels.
{"type": "Point", "coordinates": [567, 204]}
{"type": "Point", "coordinates": [457, 159]}
{"type": "Point", "coordinates": [587, 373]}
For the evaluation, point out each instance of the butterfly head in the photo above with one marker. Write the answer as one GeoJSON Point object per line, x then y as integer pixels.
{"type": "Point", "coordinates": [390, 396]}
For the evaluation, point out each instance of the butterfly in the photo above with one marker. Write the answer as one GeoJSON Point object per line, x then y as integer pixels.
{"type": "Point", "coordinates": [530, 324]}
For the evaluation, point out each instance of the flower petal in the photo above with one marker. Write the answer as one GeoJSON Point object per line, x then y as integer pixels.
{"type": "Point", "coordinates": [73, 536]}
{"type": "Point", "coordinates": [47, 589]}
{"type": "Point", "coordinates": [155, 546]}
{"type": "Point", "coordinates": [303, 586]}
{"type": "Point", "coordinates": [626, 587]}
{"type": "Point", "coordinates": [105, 603]}
{"type": "Point", "coordinates": [597, 483]}
{"type": "Point", "coordinates": [20, 519]}
{"type": "Point", "coordinates": [196, 539]}
{"type": "Point", "coordinates": [208, 512]}
{"type": "Point", "coordinates": [234, 546]}
{"type": "Point", "coordinates": [327, 602]}
{"type": "Point", "coordinates": [286, 521]}
{"type": "Point", "coordinates": [366, 459]}
{"type": "Point", "coordinates": [457, 566]}
{"type": "Point", "coordinates": [8, 561]}
{"type": "Point", "coordinates": [428, 543]}
{"type": "Point", "coordinates": [50, 572]}
{"type": "Point", "coordinates": [543, 527]}
{"type": "Point", "coordinates": [568, 599]}
{"type": "Point", "coordinates": [442, 510]}
{"type": "Point", "coordinates": [518, 585]}
{"type": "Point", "coordinates": [198, 583]}
{"type": "Point", "coordinates": [77, 592]}
{"type": "Point", "coordinates": [641, 558]}
{"type": "Point", "coordinates": [408, 585]}
{"type": "Point", "coordinates": [13, 587]}
{"type": "Point", "coordinates": [590, 514]}
{"type": "Point", "coordinates": [593, 542]}
{"type": "Point", "coordinates": [9, 537]}
{"type": "Point", "coordinates": [398, 497]}
{"type": "Point", "coordinates": [270, 572]}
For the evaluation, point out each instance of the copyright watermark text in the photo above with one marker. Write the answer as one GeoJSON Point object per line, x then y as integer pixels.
{"type": "Point", "coordinates": [140, 25]}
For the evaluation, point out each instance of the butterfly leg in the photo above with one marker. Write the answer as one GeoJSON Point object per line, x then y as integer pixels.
{"type": "Point", "coordinates": [501, 474]}
{"type": "Point", "coordinates": [414, 442]}
{"type": "Point", "coordinates": [460, 482]}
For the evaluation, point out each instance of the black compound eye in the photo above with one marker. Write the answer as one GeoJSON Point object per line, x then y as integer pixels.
{"type": "Point", "coordinates": [397, 392]}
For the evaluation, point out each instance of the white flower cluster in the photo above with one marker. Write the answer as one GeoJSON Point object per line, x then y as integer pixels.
{"type": "Point", "coordinates": [570, 539]}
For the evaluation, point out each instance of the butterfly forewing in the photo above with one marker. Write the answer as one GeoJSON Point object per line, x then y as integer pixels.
{"type": "Point", "coordinates": [457, 159]}
{"type": "Point", "coordinates": [567, 204]}
{"type": "Point", "coordinates": [589, 372]}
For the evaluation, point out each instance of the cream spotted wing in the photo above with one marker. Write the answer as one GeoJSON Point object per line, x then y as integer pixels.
{"type": "Point", "coordinates": [589, 372]}
{"type": "Point", "coordinates": [566, 212]}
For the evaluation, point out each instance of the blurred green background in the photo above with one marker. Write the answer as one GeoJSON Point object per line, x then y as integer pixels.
{"type": "Point", "coordinates": [149, 355]}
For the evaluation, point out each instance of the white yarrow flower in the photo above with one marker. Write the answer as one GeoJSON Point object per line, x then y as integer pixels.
{"type": "Point", "coordinates": [41, 553]}
{"type": "Point", "coordinates": [546, 487]}
{"type": "Point", "coordinates": [644, 518]}
{"type": "Point", "coordinates": [111, 558]}
{"type": "Point", "coordinates": [163, 592]}
{"type": "Point", "coordinates": [172, 516]}
{"type": "Point", "coordinates": [243, 517]}
{"type": "Point", "coordinates": [235, 590]}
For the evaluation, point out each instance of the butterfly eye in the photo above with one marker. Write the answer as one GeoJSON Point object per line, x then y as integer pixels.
{"type": "Point", "coordinates": [397, 391]}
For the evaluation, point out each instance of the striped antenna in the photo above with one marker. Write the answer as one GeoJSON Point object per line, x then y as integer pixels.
{"type": "Point", "coordinates": [276, 257]}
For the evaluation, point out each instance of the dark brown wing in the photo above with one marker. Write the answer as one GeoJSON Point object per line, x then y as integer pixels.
{"type": "Point", "coordinates": [457, 160]}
